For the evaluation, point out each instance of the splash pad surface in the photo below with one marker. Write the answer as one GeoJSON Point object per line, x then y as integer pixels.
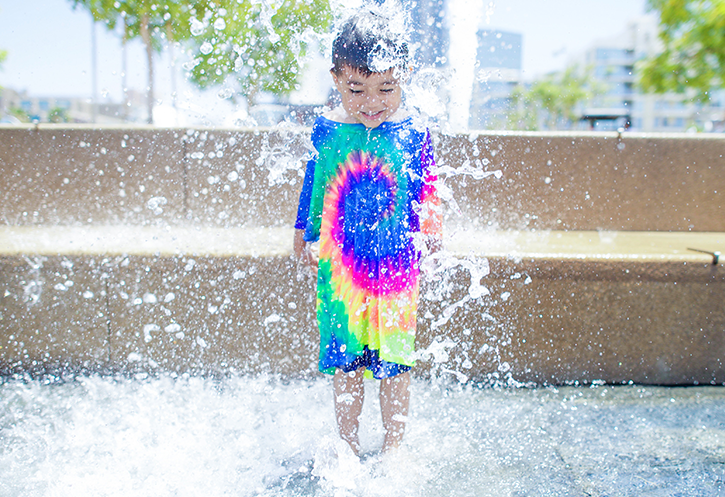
{"type": "Point", "coordinates": [260, 435]}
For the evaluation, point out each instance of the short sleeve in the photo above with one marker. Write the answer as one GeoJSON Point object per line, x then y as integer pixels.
{"type": "Point", "coordinates": [303, 208]}
{"type": "Point", "coordinates": [431, 215]}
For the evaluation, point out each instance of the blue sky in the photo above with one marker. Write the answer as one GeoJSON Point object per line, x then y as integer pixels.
{"type": "Point", "coordinates": [49, 43]}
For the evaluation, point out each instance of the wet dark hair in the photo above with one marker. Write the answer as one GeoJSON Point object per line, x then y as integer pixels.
{"type": "Point", "coordinates": [367, 44]}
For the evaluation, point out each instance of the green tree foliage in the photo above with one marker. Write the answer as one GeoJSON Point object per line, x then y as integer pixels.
{"type": "Point", "coordinates": [259, 44]}
{"type": "Point", "coordinates": [20, 114]}
{"type": "Point", "coordinates": [151, 20]}
{"type": "Point", "coordinates": [3, 56]}
{"type": "Point", "coordinates": [553, 102]}
{"type": "Point", "coordinates": [693, 55]}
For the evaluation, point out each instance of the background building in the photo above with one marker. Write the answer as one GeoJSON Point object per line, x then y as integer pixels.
{"type": "Point", "coordinates": [69, 109]}
{"type": "Point", "coordinates": [614, 64]}
{"type": "Point", "coordinates": [498, 62]}
{"type": "Point", "coordinates": [429, 31]}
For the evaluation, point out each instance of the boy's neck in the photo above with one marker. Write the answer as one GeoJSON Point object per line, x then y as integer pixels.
{"type": "Point", "coordinates": [339, 115]}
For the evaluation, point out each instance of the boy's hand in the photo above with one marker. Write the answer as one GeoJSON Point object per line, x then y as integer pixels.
{"type": "Point", "coordinates": [303, 252]}
{"type": "Point", "coordinates": [434, 245]}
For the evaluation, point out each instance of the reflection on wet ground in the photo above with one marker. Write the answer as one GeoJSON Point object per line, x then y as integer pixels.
{"type": "Point", "coordinates": [265, 436]}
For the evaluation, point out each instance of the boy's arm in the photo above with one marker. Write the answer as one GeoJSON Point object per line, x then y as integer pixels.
{"type": "Point", "coordinates": [431, 218]}
{"type": "Point", "coordinates": [299, 243]}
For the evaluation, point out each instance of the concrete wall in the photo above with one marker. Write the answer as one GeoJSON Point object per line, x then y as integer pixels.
{"type": "Point", "coordinates": [576, 316]}
{"type": "Point", "coordinates": [143, 176]}
{"type": "Point", "coordinates": [58, 175]}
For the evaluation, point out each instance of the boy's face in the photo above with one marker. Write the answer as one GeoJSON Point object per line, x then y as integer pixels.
{"type": "Point", "coordinates": [370, 100]}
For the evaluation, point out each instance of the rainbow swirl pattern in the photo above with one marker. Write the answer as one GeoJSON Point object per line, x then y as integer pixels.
{"type": "Point", "coordinates": [368, 190]}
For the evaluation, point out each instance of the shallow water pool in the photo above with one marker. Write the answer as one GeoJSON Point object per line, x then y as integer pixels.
{"type": "Point", "coordinates": [267, 436]}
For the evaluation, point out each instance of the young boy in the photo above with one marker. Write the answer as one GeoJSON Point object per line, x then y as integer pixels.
{"type": "Point", "coordinates": [368, 197]}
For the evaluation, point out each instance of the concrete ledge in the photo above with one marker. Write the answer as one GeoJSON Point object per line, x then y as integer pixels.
{"type": "Point", "coordinates": [612, 246]}
{"type": "Point", "coordinates": [144, 241]}
{"type": "Point", "coordinates": [563, 306]}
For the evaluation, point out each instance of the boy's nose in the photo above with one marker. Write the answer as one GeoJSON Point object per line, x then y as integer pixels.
{"type": "Point", "coordinates": [372, 100]}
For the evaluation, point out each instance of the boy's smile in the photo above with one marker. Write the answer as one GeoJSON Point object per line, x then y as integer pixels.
{"type": "Point", "coordinates": [369, 100]}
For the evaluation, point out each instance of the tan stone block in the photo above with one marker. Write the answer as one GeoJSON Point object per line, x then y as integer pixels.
{"type": "Point", "coordinates": [245, 178]}
{"type": "Point", "coordinates": [211, 315]}
{"type": "Point", "coordinates": [52, 314]}
{"type": "Point", "coordinates": [86, 176]}
{"type": "Point", "coordinates": [617, 325]}
{"type": "Point", "coordinates": [588, 181]}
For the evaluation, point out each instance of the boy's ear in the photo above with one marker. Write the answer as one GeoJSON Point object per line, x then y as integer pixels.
{"type": "Point", "coordinates": [336, 80]}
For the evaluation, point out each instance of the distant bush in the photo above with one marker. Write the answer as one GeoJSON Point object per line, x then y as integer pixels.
{"type": "Point", "coordinates": [58, 115]}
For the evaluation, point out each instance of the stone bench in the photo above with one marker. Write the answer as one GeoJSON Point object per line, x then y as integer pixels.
{"type": "Point", "coordinates": [563, 306]}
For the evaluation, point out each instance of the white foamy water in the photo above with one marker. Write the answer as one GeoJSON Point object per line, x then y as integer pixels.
{"type": "Point", "coordinates": [265, 436]}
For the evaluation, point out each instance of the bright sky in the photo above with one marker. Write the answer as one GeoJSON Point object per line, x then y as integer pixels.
{"type": "Point", "coordinates": [555, 30]}
{"type": "Point", "coordinates": [49, 44]}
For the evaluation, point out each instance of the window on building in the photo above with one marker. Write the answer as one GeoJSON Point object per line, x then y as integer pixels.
{"type": "Point", "coordinates": [613, 54]}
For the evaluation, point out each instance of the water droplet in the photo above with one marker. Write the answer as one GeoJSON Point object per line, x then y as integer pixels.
{"type": "Point", "coordinates": [155, 204]}
{"type": "Point", "coordinates": [272, 318]}
{"type": "Point", "coordinates": [206, 48]}
{"type": "Point", "coordinates": [197, 27]}
{"type": "Point", "coordinates": [225, 93]}
{"type": "Point", "coordinates": [147, 329]}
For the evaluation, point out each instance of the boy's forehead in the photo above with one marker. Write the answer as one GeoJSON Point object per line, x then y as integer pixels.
{"type": "Point", "coordinates": [354, 77]}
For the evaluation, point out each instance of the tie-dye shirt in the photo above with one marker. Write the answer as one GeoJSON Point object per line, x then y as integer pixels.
{"type": "Point", "coordinates": [370, 200]}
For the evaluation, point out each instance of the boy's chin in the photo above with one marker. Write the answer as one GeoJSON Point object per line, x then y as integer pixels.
{"type": "Point", "coordinates": [369, 123]}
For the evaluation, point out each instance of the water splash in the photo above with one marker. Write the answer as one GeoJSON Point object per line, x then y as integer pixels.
{"type": "Point", "coordinates": [33, 288]}
{"type": "Point", "coordinates": [265, 436]}
{"type": "Point", "coordinates": [282, 152]}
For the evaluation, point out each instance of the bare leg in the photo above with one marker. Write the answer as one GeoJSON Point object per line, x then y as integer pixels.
{"type": "Point", "coordinates": [349, 395]}
{"type": "Point", "coordinates": [394, 403]}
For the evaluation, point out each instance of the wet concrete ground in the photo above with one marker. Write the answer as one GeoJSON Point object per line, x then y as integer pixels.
{"type": "Point", "coordinates": [266, 436]}
{"type": "Point", "coordinates": [601, 441]}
